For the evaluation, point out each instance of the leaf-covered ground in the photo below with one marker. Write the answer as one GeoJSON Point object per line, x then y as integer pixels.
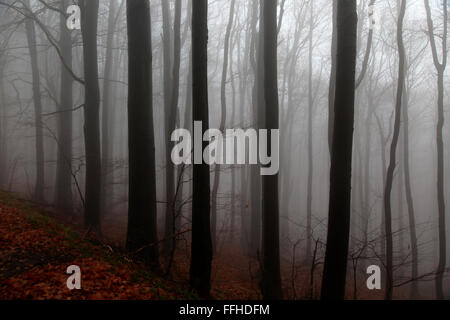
{"type": "Point", "coordinates": [35, 251]}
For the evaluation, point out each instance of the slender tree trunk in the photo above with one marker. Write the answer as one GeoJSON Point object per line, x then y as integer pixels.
{"type": "Point", "coordinates": [440, 67]}
{"type": "Point", "coordinates": [223, 119]}
{"type": "Point", "coordinates": [383, 143]}
{"type": "Point", "coordinates": [410, 201]}
{"type": "Point", "coordinates": [392, 163]}
{"type": "Point", "coordinates": [169, 124]}
{"type": "Point", "coordinates": [142, 226]}
{"type": "Point", "coordinates": [89, 15]}
{"type": "Point", "coordinates": [201, 254]}
{"type": "Point", "coordinates": [271, 277]}
{"type": "Point", "coordinates": [243, 87]}
{"type": "Point", "coordinates": [173, 119]}
{"type": "Point", "coordinates": [310, 140]}
{"type": "Point", "coordinates": [36, 84]}
{"type": "Point", "coordinates": [188, 117]}
{"type": "Point", "coordinates": [258, 106]}
{"type": "Point", "coordinates": [335, 268]}
{"type": "Point", "coordinates": [106, 109]}
{"type": "Point", "coordinates": [233, 170]}
{"type": "Point", "coordinates": [63, 185]}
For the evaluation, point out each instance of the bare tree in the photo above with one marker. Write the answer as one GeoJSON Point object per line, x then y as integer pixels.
{"type": "Point", "coordinates": [89, 16]}
{"type": "Point", "coordinates": [440, 68]}
{"type": "Point", "coordinates": [141, 234]}
{"type": "Point", "coordinates": [63, 185]}
{"type": "Point", "coordinates": [31, 39]}
{"type": "Point", "coordinates": [201, 252]}
{"type": "Point", "coordinates": [393, 152]}
{"type": "Point", "coordinates": [335, 268]}
{"type": "Point", "coordinates": [271, 275]}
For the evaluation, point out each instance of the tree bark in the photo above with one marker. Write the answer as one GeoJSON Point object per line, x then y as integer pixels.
{"type": "Point", "coordinates": [142, 225]}
{"type": "Point", "coordinates": [335, 268]}
{"type": "Point", "coordinates": [89, 15]}
{"type": "Point", "coordinates": [201, 248]}
{"type": "Point", "coordinates": [271, 277]}
{"type": "Point", "coordinates": [332, 84]}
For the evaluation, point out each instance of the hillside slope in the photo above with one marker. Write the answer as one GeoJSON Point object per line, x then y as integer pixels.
{"type": "Point", "coordinates": [35, 251]}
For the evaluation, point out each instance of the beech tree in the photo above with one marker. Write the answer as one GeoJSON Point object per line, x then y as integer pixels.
{"type": "Point", "coordinates": [201, 252]}
{"type": "Point", "coordinates": [31, 39]}
{"type": "Point", "coordinates": [335, 267]}
{"type": "Point", "coordinates": [271, 275]}
{"type": "Point", "coordinates": [89, 16]}
{"type": "Point", "coordinates": [440, 65]}
{"type": "Point", "coordinates": [393, 152]}
{"type": "Point", "coordinates": [141, 235]}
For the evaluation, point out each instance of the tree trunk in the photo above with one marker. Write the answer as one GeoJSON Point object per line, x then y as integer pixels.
{"type": "Point", "coordinates": [258, 106]}
{"type": "Point", "coordinates": [310, 139]}
{"type": "Point", "coordinates": [169, 124]}
{"type": "Point", "coordinates": [332, 84]}
{"type": "Point", "coordinates": [271, 278]}
{"type": "Point", "coordinates": [36, 84]}
{"type": "Point", "coordinates": [106, 110]}
{"type": "Point", "coordinates": [392, 163]}
{"type": "Point", "coordinates": [409, 201]}
{"type": "Point", "coordinates": [63, 185]}
{"type": "Point", "coordinates": [440, 67]}
{"type": "Point", "coordinates": [142, 225]}
{"type": "Point", "coordinates": [201, 254]}
{"type": "Point", "coordinates": [89, 15]}
{"type": "Point", "coordinates": [335, 268]}
{"type": "Point", "coordinates": [174, 220]}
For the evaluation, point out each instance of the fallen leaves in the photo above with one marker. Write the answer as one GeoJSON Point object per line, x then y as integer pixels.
{"type": "Point", "coordinates": [35, 252]}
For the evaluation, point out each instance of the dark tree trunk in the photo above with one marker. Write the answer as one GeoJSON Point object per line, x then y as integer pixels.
{"type": "Point", "coordinates": [201, 255]}
{"type": "Point", "coordinates": [335, 268]}
{"type": "Point", "coordinates": [393, 159]}
{"type": "Point", "coordinates": [271, 278]}
{"type": "Point", "coordinates": [142, 226]}
{"type": "Point", "coordinates": [36, 84]}
{"type": "Point", "coordinates": [89, 15]}
{"type": "Point", "coordinates": [332, 84]}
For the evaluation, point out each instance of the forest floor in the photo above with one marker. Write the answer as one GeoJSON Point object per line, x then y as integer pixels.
{"type": "Point", "coordinates": [35, 251]}
{"type": "Point", "coordinates": [36, 248]}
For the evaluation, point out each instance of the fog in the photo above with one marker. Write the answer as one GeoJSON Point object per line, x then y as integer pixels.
{"type": "Point", "coordinates": [304, 67]}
